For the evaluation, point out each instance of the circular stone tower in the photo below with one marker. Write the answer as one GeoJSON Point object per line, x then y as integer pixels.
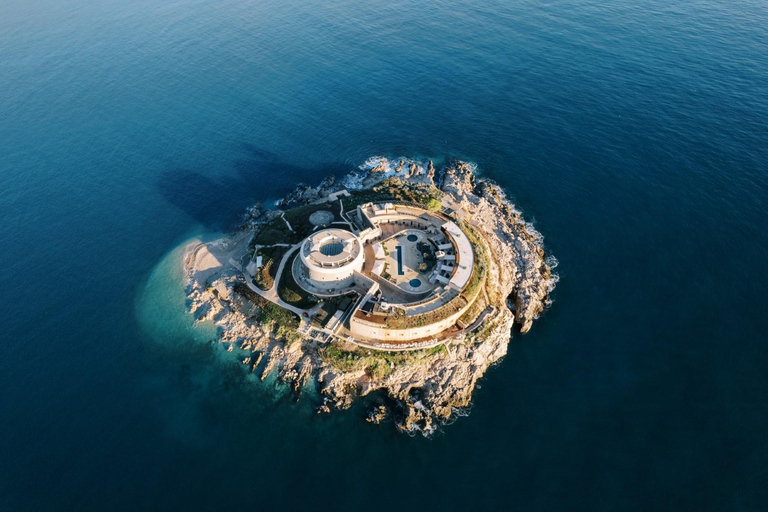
{"type": "Point", "coordinates": [331, 257]}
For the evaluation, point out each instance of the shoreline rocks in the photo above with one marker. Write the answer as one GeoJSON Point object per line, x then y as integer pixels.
{"type": "Point", "coordinates": [428, 388]}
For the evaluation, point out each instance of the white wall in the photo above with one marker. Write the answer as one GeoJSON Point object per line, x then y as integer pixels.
{"type": "Point", "coordinates": [370, 330]}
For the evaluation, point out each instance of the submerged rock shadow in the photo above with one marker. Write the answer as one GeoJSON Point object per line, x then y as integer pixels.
{"type": "Point", "coordinates": [258, 175]}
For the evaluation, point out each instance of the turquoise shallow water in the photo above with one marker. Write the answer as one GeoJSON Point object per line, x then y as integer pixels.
{"type": "Point", "coordinates": [633, 134]}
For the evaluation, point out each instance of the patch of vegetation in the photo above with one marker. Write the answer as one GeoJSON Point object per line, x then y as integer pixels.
{"type": "Point", "coordinates": [299, 217]}
{"type": "Point", "coordinates": [291, 292]}
{"type": "Point", "coordinates": [377, 364]}
{"type": "Point", "coordinates": [276, 230]}
{"type": "Point", "coordinates": [433, 204]}
{"type": "Point", "coordinates": [440, 349]}
{"type": "Point", "coordinates": [270, 260]}
{"type": "Point", "coordinates": [396, 189]}
{"type": "Point", "coordinates": [428, 196]}
{"type": "Point", "coordinates": [358, 197]}
{"type": "Point", "coordinates": [284, 323]}
{"type": "Point", "coordinates": [485, 329]}
{"type": "Point", "coordinates": [481, 261]}
{"type": "Point", "coordinates": [343, 360]}
{"type": "Point", "coordinates": [473, 312]}
{"type": "Point", "coordinates": [399, 320]}
{"type": "Point", "coordinates": [385, 274]}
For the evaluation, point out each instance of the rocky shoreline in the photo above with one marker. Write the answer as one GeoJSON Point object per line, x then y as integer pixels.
{"type": "Point", "coordinates": [425, 388]}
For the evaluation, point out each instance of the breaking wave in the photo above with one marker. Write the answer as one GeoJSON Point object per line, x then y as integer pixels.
{"type": "Point", "coordinates": [354, 180]}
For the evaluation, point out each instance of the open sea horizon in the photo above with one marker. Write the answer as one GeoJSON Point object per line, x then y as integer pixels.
{"type": "Point", "coordinates": [633, 135]}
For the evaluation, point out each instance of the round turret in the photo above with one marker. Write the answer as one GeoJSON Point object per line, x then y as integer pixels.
{"type": "Point", "coordinates": [331, 257]}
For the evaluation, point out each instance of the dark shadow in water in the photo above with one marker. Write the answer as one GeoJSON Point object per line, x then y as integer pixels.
{"type": "Point", "coordinates": [258, 175]}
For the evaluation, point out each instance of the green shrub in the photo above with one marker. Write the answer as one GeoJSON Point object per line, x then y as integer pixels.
{"type": "Point", "coordinates": [433, 204]}
{"type": "Point", "coordinates": [291, 292]}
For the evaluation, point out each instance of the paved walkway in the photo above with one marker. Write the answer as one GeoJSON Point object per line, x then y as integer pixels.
{"type": "Point", "coordinates": [474, 325]}
{"type": "Point", "coordinates": [341, 214]}
{"type": "Point", "coordinates": [271, 295]}
{"type": "Point", "coordinates": [282, 215]}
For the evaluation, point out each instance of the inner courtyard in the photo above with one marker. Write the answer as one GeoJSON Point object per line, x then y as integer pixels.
{"type": "Point", "coordinates": [409, 260]}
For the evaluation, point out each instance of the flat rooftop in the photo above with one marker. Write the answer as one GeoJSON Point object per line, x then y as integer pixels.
{"type": "Point", "coordinates": [465, 257]}
{"type": "Point", "coordinates": [331, 247]}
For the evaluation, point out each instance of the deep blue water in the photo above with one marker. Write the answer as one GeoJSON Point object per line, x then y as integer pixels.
{"type": "Point", "coordinates": [634, 134]}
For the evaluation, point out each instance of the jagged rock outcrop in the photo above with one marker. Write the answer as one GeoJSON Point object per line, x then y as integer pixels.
{"type": "Point", "coordinates": [377, 414]}
{"type": "Point", "coordinates": [431, 171]}
{"type": "Point", "coordinates": [381, 167]}
{"type": "Point", "coordinates": [429, 387]}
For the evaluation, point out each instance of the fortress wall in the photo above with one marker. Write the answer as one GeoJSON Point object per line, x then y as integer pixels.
{"type": "Point", "coordinates": [369, 234]}
{"type": "Point", "coordinates": [328, 281]}
{"type": "Point", "coordinates": [373, 331]}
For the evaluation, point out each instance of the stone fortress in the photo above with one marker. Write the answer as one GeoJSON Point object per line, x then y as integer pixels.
{"type": "Point", "coordinates": [402, 273]}
{"type": "Point", "coordinates": [408, 283]}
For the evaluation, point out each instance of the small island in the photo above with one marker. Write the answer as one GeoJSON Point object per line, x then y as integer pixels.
{"type": "Point", "coordinates": [400, 283]}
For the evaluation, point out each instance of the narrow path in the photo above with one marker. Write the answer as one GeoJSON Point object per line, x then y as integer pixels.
{"type": "Point", "coordinates": [282, 216]}
{"type": "Point", "coordinates": [271, 295]}
{"type": "Point", "coordinates": [341, 214]}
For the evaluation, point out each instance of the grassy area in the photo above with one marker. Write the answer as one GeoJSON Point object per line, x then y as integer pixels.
{"type": "Point", "coordinates": [270, 260]}
{"type": "Point", "coordinates": [291, 292]}
{"type": "Point", "coordinates": [399, 320]}
{"type": "Point", "coordinates": [473, 312]}
{"type": "Point", "coordinates": [385, 271]}
{"type": "Point", "coordinates": [485, 328]}
{"type": "Point", "coordinates": [299, 217]}
{"type": "Point", "coordinates": [284, 323]}
{"type": "Point", "coordinates": [358, 197]}
{"type": "Point", "coordinates": [481, 261]}
{"type": "Point", "coordinates": [377, 364]}
{"type": "Point", "coordinates": [276, 231]}
{"type": "Point", "coordinates": [395, 189]}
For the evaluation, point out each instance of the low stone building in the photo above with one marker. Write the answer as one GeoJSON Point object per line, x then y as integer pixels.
{"type": "Point", "coordinates": [407, 266]}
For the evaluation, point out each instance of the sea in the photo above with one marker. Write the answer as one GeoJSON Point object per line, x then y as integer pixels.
{"type": "Point", "coordinates": [632, 134]}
